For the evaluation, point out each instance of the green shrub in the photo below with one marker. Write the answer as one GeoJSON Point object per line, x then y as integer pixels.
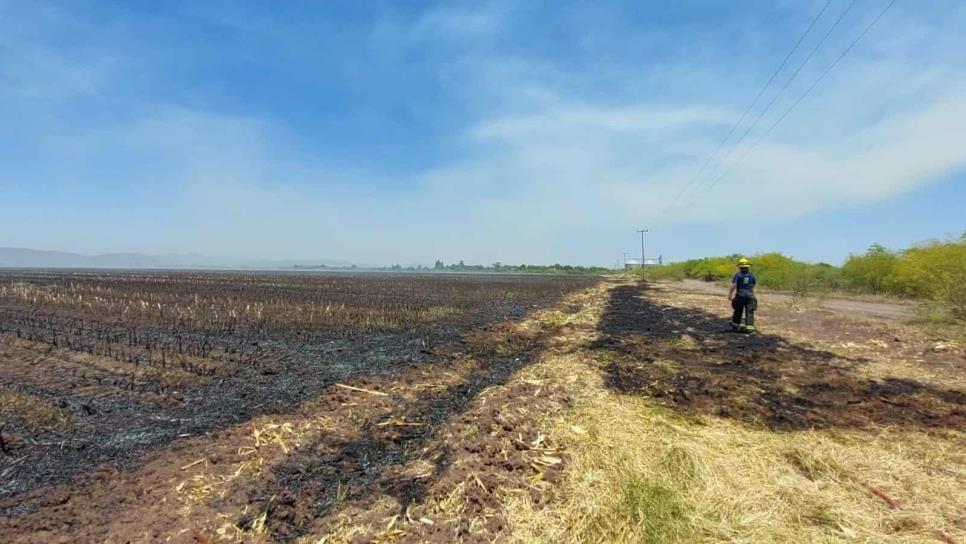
{"type": "Point", "coordinates": [871, 272]}
{"type": "Point", "coordinates": [777, 271]}
{"type": "Point", "coordinates": [674, 271]}
{"type": "Point", "coordinates": [936, 271]}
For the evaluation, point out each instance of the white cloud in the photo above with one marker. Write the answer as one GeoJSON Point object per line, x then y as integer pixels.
{"type": "Point", "coordinates": [551, 150]}
{"type": "Point", "coordinates": [882, 124]}
{"type": "Point", "coordinates": [530, 176]}
{"type": "Point", "coordinates": [459, 22]}
{"type": "Point", "coordinates": [619, 121]}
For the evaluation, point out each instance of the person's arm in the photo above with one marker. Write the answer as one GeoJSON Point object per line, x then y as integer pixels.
{"type": "Point", "coordinates": [731, 292]}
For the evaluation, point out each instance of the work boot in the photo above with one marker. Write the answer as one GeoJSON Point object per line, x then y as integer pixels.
{"type": "Point", "coordinates": [735, 326]}
{"type": "Point", "coordinates": [750, 328]}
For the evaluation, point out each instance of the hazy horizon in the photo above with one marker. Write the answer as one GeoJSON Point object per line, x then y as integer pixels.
{"type": "Point", "coordinates": [495, 131]}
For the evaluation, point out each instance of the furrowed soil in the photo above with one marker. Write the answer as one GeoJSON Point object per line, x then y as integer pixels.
{"type": "Point", "coordinates": [577, 411]}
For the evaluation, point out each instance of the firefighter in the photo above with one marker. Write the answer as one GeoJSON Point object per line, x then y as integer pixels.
{"type": "Point", "coordinates": [742, 297]}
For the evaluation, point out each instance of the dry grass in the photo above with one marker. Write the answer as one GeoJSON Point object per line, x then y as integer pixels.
{"type": "Point", "coordinates": [32, 412]}
{"type": "Point", "coordinates": [639, 472]}
{"type": "Point", "coordinates": [206, 483]}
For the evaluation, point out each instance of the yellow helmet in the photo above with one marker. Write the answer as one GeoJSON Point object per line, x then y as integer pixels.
{"type": "Point", "coordinates": [743, 263]}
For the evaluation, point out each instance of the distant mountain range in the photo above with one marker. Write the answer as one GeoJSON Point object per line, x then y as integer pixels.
{"type": "Point", "coordinates": [15, 257]}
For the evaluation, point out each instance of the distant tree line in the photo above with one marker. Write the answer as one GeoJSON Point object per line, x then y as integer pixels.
{"type": "Point", "coordinates": [500, 268]}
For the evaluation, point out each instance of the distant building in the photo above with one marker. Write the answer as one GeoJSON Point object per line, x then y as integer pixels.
{"type": "Point", "coordinates": [632, 264]}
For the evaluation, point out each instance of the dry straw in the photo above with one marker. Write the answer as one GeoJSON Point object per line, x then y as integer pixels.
{"type": "Point", "coordinates": [640, 472]}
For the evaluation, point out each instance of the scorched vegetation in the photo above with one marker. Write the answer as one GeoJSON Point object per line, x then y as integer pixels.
{"type": "Point", "coordinates": [101, 367]}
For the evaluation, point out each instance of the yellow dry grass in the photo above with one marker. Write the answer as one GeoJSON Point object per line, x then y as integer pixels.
{"type": "Point", "coordinates": [32, 411]}
{"type": "Point", "coordinates": [639, 472]}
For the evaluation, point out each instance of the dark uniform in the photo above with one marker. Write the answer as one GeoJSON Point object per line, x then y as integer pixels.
{"type": "Point", "coordinates": [744, 301]}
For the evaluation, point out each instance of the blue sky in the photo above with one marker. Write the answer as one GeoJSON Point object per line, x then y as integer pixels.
{"type": "Point", "coordinates": [386, 132]}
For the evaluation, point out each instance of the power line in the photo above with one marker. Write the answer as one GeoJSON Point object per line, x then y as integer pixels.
{"type": "Point", "coordinates": [761, 114]}
{"type": "Point", "coordinates": [791, 78]}
{"type": "Point", "coordinates": [804, 94]}
{"type": "Point", "coordinates": [750, 106]}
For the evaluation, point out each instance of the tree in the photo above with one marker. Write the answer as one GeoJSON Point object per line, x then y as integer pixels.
{"type": "Point", "coordinates": [871, 271]}
{"type": "Point", "coordinates": [936, 270]}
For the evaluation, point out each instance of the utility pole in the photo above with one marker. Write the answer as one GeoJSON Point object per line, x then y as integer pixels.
{"type": "Point", "coordinates": [642, 231]}
{"type": "Point", "coordinates": [625, 259]}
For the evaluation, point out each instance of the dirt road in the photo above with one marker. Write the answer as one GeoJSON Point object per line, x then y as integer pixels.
{"type": "Point", "coordinates": [853, 306]}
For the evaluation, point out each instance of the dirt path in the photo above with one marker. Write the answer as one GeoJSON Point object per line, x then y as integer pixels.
{"type": "Point", "coordinates": [851, 306]}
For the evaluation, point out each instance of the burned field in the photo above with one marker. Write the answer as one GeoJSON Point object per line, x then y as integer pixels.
{"type": "Point", "coordinates": [307, 408]}
{"type": "Point", "coordinates": [682, 356]}
{"type": "Point", "coordinates": [111, 383]}
{"type": "Point", "coordinates": [826, 426]}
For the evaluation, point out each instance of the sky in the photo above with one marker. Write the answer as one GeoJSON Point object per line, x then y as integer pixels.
{"type": "Point", "coordinates": [513, 131]}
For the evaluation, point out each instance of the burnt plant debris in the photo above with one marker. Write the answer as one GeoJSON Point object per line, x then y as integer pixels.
{"type": "Point", "coordinates": [685, 358]}
{"type": "Point", "coordinates": [138, 359]}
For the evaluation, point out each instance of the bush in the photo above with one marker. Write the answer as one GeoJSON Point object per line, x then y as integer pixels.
{"type": "Point", "coordinates": [712, 269]}
{"type": "Point", "coordinates": [871, 272]}
{"type": "Point", "coordinates": [673, 271]}
{"type": "Point", "coordinates": [777, 271]}
{"type": "Point", "coordinates": [774, 270]}
{"type": "Point", "coordinates": [936, 271]}
{"type": "Point", "coordinates": [804, 282]}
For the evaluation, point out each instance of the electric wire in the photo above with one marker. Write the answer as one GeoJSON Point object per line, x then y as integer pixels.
{"type": "Point", "coordinates": [804, 94]}
{"type": "Point", "coordinates": [712, 175]}
{"type": "Point", "coordinates": [750, 106]}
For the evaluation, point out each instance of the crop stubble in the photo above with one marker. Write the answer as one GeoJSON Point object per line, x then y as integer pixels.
{"type": "Point", "coordinates": [109, 379]}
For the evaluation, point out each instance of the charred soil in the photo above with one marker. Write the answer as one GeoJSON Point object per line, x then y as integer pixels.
{"type": "Point", "coordinates": [687, 357]}
{"type": "Point", "coordinates": [146, 407]}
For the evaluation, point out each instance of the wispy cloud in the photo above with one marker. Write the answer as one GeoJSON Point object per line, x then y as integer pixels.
{"type": "Point", "coordinates": [545, 145]}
